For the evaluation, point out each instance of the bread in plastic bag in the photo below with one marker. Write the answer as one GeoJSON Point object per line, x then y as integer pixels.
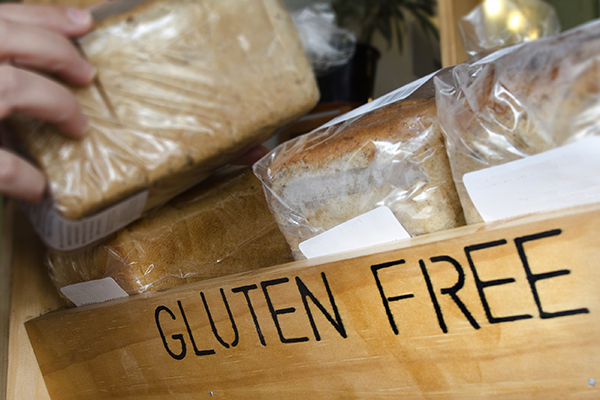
{"type": "Point", "coordinates": [390, 156]}
{"type": "Point", "coordinates": [220, 227]}
{"type": "Point", "coordinates": [182, 87]}
{"type": "Point", "coordinates": [496, 24]}
{"type": "Point", "coordinates": [519, 102]}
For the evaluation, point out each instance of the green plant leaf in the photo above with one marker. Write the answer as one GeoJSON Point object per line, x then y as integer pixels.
{"type": "Point", "coordinates": [399, 20]}
{"type": "Point", "coordinates": [426, 24]}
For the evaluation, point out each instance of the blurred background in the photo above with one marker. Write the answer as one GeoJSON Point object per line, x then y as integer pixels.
{"type": "Point", "coordinates": [419, 54]}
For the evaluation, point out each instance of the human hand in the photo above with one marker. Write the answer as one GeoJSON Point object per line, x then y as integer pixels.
{"type": "Point", "coordinates": [35, 49]}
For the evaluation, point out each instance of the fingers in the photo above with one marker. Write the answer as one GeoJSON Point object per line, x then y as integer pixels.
{"type": "Point", "coordinates": [32, 47]}
{"type": "Point", "coordinates": [19, 179]}
{"type": "Point", "coordinates": [70, 22]}
{"type": "Point", "coordinates": [37, 37]}
{"type": "Point", "coordinates": [27, 93]}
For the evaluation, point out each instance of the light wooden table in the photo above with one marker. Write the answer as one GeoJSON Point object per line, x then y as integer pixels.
{"type": "Point", "coordinates": [26, 292]}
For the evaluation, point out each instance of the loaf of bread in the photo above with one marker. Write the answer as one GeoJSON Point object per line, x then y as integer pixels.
{"type": "Point", "coordinates": [393, 156]}
{"type": "Point", "coordinates": [182, 87]}
{"type": "Point", "coordinates": [220, 227]}
{"type": "Point", "coordinates": [521, 102]}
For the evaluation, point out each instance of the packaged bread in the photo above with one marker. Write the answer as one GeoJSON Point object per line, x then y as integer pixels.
{"type": "Point", "coordinates": [220, 227]}
{"type": "Point", "coordinates": [182, 87]}
{"type": "Point", "coordinates": [520, 102]}
{"type": "Point", "coordinates": [492, 26]}
{"type": "Point", "coordinates": [390, 153]}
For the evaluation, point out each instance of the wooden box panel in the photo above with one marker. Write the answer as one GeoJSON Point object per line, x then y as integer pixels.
{"type": "Point", "coordinates": [504, 311]}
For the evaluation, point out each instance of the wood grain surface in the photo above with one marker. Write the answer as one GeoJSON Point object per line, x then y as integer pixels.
{"type": "Point", "coordinates": [450, 12]}
{"type": "Point", "coordinates": [502, 311]}
{"type": "Point", "coordinates": [5, 274]}
{"type": "Point", "coordinates": [32, 294]}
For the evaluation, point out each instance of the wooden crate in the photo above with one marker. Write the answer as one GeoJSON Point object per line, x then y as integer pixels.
{"type": "Point", "coordinates": [508, 310]}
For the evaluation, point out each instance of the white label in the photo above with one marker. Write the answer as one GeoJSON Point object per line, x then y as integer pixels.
{"type": "Point", "coordinates": [369, 229]}
{"type": "Point", "coordinates": [96, 291]}
{"type": "Point", "coordinates": [63, 234]}
{"type": "Point", "coordinates": [563, 177]}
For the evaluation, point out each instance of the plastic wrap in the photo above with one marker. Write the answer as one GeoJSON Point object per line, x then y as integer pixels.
{"type": "Point", "coordinates": [327, 45]}
{"type": "Point", "coordinates": [220, 227]}
{"type": "Point", "coordinates": [495, 24]}
{"type": "Point", "coordinates": [387, 153]}
{"type": "Point", "coordinates": [183, 86]}
{"type": "Point", "coordinates": [519, 102]}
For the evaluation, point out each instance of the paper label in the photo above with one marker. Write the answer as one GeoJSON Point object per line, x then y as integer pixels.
{"type": "Point", "coordinates": [563, 177]}
{"type": "Point", "coordinates": [372, 228]}
{"type": "Point", "coordinates": [96, 291]}
{"type": "Point", "coordinates": [62, 234]}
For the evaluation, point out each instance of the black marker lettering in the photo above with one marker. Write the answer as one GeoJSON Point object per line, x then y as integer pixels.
{"type": "Point", "coordinates": [212, 322]}
{"type": "Point", "coordinates": [245, 290]}
{"type": "Point", "coordinates": [189, 331]}
{"type": "Point", "coordinates": [484, 284]}
{"type": "Point", "coordinates": [337, 323]}
{"type": "Point", "coordinates": [388, 300]}
{"type": "Point", "coordinates": [275, 313]}
{"type": "Point", "coordinates": [454, 289]}
{"type": "Point", "coordinates": [533, 278]}
{"type": "Point", "coordinates": [179, 336]}
{"type": "Point", "coordinates": [436, 305]}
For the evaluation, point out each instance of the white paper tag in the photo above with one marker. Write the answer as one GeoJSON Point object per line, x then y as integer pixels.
{"type": "Point", "coordinates": [563, 177]}
{"type": "Point", "coordinates": [377, 226]}
{"type": "Point", "coordinates": [96, 291]}
{"type": "Point", "coordinates": [62, 234]}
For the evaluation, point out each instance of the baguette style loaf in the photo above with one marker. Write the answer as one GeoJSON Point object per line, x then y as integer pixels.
{"type": "Point", "coordinates": [537, 97]}
{"type": "Point", "coordinates": [393, 156]}
{"type": "Point", "coordinates": [182, 87]}
{"type": "Point", "coordinates": [220, 227]}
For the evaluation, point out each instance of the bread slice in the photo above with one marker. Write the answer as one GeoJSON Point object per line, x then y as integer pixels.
{"type": "Point", "coordinates": [182, 87]}
{"type": "Point", "coordinates": [393, 156]}
{"type": "Point", "coordinates": [220, 227]}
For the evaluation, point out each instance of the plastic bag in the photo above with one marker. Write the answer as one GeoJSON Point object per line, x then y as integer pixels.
{"type": "Point", "coordinates": [389, 152]}
{"type": "Point", "coordinates": [220, 227]}
{"type": "Point", "coordinates": [183, 87]}
{"type": "Point", "coordinates": [519, 102]}
{"type": "Point", "coordinates": [500, 23]}
{"type": "Point", "coordinates": [326, 45]}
